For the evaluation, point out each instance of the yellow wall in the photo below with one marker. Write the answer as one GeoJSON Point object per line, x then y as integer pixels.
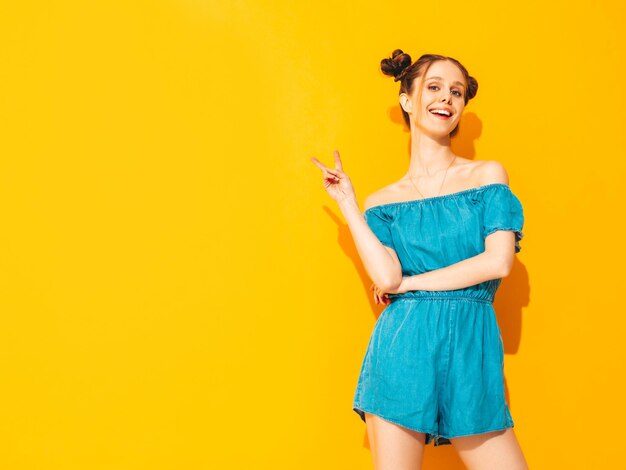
{"type": "Point", "coordinates": [178, 291]}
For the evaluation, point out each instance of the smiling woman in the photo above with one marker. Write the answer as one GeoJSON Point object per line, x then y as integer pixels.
{"type": "Point", "coordinates": [433, 370]}
{"type": "Point", "coordinates": [399, 66]}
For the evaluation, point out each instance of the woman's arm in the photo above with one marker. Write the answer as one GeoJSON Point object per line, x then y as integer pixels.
{"type": "Point", "coordinates": [381, 262]}
{"type": "Point", "coordinates": [493, 263]}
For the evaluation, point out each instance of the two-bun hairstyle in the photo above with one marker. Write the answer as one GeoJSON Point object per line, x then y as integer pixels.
{"type": "Point", "coordinates": [400, 66]}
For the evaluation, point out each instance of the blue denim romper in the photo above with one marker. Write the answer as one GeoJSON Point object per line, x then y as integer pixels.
{"type": "Point", "coordinates": [435, 359]}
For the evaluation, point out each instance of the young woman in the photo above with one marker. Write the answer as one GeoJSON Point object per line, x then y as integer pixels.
{"type": "Point", "coordinates": [436, 245]}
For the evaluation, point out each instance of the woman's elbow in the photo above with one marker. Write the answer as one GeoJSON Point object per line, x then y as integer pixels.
{"type": "Point", "coordinates": [390, 273]}
{"type": "Point", "coordinates": [505, 266]}
{"type": "Point", "coordinates": [501, 251]}
{"type": "Point", "coordinates": [392, 281]}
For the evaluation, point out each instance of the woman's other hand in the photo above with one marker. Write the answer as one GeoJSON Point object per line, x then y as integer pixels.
{"type": "Point", "coordinates": [336, 182]}
{"type": "Point", "coordinates": [381, 296]}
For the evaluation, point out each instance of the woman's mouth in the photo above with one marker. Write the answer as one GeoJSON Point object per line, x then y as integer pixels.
{"type": "Point", "coordinates": [440, 114]}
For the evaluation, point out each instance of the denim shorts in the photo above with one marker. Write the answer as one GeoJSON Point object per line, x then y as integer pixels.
{"type": "Point", "coordinates": [435, 364]}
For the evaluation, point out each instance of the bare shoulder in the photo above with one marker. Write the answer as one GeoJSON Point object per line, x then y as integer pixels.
{"type": "Point", "coordinates": [374, 199]}
{"type": "Point", "coordinates": [382, 196]}
{"type": "Point", "coordinates": [492, 171]}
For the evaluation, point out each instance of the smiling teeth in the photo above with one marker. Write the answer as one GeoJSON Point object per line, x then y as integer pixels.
{"type": "Point", "coordinates": [440, 111]}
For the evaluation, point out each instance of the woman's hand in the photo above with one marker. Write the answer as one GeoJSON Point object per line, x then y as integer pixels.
{"type": "Point", "coordinates": [380, 296]}
{"type": "Point", "coordinates": [336, 183]}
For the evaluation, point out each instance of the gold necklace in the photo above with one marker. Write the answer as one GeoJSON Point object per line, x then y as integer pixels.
{"type": "Point", "coordinates": [444, 178]}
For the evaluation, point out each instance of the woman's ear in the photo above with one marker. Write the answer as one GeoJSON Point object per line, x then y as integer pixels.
{"type": "Point", "coordinates": [405, 102]}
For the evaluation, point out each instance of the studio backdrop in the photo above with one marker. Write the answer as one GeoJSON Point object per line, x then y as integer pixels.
{"type": "Point", "coordinates": [177, 290]}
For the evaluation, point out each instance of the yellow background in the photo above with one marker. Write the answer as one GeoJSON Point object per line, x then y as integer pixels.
{"type": "Point", "coordinates": [177, 289]}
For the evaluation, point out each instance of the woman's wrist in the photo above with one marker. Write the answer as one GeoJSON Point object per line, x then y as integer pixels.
{"type": "Point", "coordinates": [348, 203]}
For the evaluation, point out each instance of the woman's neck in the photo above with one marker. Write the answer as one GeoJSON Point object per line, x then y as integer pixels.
{"type": "Point", "coordinates": [429, 155]}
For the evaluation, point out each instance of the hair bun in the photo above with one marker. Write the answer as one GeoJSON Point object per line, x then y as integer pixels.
{"type": "Point", "coordinates": [396, 65]}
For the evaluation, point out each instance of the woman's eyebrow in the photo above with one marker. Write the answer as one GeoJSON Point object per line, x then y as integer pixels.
{"type": "Point", "coordinates": [439, 78]}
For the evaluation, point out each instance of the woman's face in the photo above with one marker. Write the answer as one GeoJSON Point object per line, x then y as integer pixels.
{"type": "Point", "coordinates": [442, 88]}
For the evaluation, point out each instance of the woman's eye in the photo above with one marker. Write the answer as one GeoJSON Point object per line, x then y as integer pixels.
{"type": "Point", "coordinates": [458, 93]}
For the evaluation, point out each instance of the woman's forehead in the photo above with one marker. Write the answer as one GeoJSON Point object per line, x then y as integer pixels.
{"type": "Point", "coordinates": [445, 71]}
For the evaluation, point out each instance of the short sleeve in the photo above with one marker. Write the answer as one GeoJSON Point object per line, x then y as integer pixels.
{"type": "Point", "coordinates": [503, 211]}
{"type": "Point", "coordinates": [380, 223]}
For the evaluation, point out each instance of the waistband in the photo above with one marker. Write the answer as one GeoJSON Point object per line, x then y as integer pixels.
{"type": "Point", "coordinates": [474, 296]}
